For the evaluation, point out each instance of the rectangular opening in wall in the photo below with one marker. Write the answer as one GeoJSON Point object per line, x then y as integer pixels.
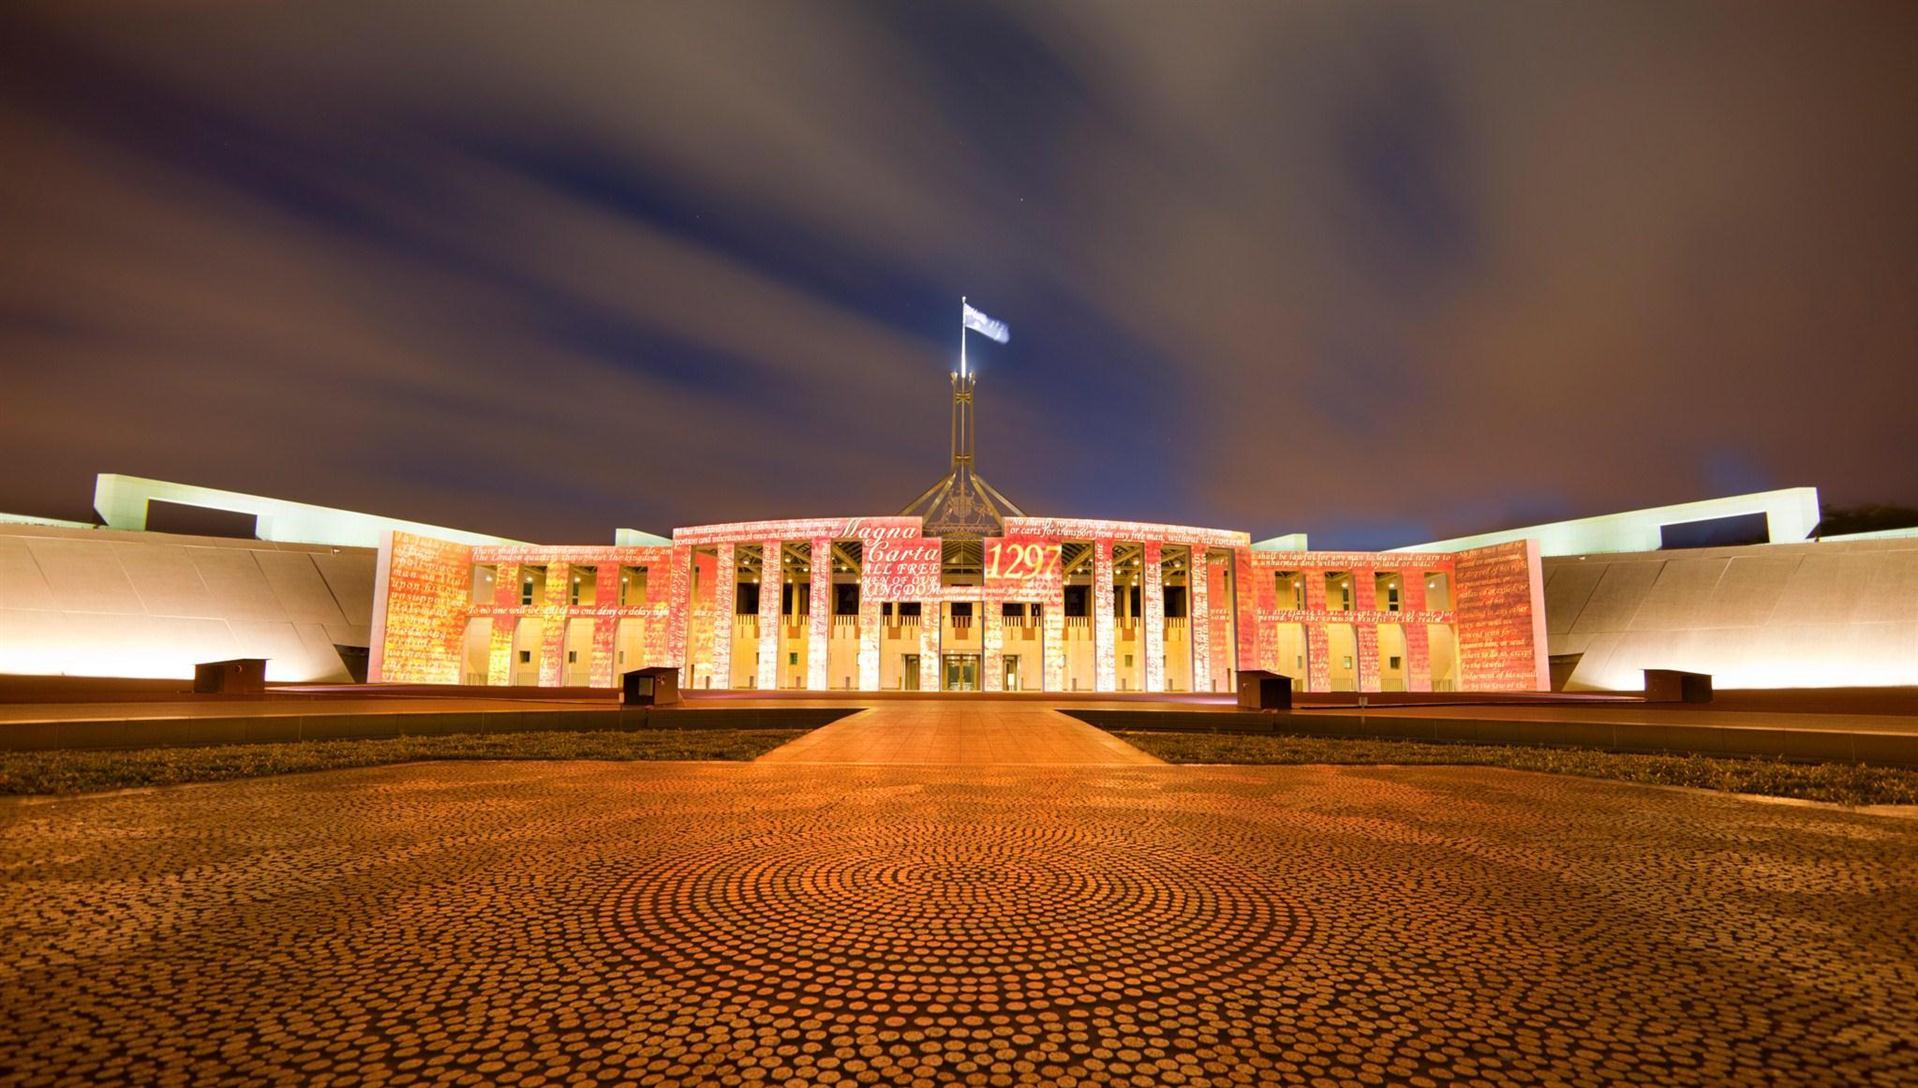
{"type": "Point", "coordinates": [532, 586]}
{"type": "Point", "coordinates": [483, 587]}
{"type": "Point", "coordinates": [1288, 590]}
{"type": "Point", "coordinates": [632, 587]}
{"type": "Point", "coordinates": [1716, 532]}
{"type": "Point", "coordinates": [179, 517]}
{"type": "Point", "coordinates": [1338, 591]}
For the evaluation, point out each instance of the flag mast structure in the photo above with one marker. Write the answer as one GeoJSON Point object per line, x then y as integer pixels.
{"type": "Point", "coordinates": [962, 506]}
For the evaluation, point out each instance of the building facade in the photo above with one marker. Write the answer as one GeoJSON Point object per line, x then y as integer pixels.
{"type": "Point", "coordinates": [881, 603]}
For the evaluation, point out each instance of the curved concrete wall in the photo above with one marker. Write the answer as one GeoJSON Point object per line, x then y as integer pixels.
{"type": "Point", "coordinates": [1779, 615]}
{"type": "Point", "coordinates": [82, 602]}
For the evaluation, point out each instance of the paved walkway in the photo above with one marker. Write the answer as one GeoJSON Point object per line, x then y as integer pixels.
{"type": "Point", "coordinates": [777, 924]}
{"type": "Point", "coordinates": [954, 732]}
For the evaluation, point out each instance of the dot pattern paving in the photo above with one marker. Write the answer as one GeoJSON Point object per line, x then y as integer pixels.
{"type": "Point", "coordinates": [528, 924]}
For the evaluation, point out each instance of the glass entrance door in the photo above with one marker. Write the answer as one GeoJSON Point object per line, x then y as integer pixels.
{"type": "Point", "coordinates": [909, 673]}
{"type": "Point", "coordinates": [1012, 673]}
{"type": "Point", "coordinates": [962, 672]}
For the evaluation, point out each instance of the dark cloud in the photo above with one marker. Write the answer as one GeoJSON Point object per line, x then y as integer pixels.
{"type": "Point", "coordinates": [1376, 272]}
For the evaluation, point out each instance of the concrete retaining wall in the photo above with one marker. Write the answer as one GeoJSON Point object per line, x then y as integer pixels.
{"type": "Point", "coordinates": [1805, 745]}
{"type": "Point", "coordinates": [272, 728]}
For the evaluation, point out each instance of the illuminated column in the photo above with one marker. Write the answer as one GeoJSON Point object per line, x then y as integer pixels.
{"type": "Point", "coordinates": [819, 623]}
{"type": "Point", "coordinates": [1365, 597]}
{"type": "Point", "coordinates": [1246, 593]}
{"type": "Point", "coordinates": [604, 671]}
{"type": "Point", "coordinates": [1224, 649]}
{"type": "Point", "coordinates": [678, 607]}
{"type": "Point", "coordinates": [1318, 664]}
{"type": "Point", "coordinates": [932, 617]}
{"type": "Point", "coordinates": [499, 645]}
{"type": "Point", "coordinates": [725, 601]}
{"type": "Point", "coordinates": [992, 643]}
{"type": "Point", "coordinates": [1105, 648]}
{"type": "Point", "coordinates": [1054, 644]}
{"type": "Point", "coordinates": [1318, 642]}
{"type": "Point", "coordinates": [1198, 595]}
{"type": "Point", "coordinates": [772, 578]}
{"type": "Point", "coordinates": [552, 641]}
{"type": "Point", "coordinates": [1152, 615]}
{"type": "Point", "coordinates": [1418, 641]}
{"type": "Point", "coordinates": [869, 634]}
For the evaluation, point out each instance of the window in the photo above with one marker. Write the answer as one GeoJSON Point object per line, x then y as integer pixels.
{"type": "Point", "coordinates": [845, 599]}
{"type": "Point", "coordinates": [632, 587]}
{"type": "Point", "coordinates": [1128, 661]}
{"type": "Point", "coordinates": [525, 657]}
{"type": "Point", "coordinates": [1392, 662]}
{"type": "Point", "coordinates": [1289, 590]}
{"type": "Point", "coordinates": [792, 658]}
{"type": "Point", "coordinates": [1174, 602]}
{"type": "Point", "coordinates": [483, 574]}
{"type": "Point", "coordinates": [572, 657]}
{"type": "Point", "coordinates": [1077, 600]}
{"type": "Point", "coordinates": [1392, 599]}
{"type": "Point", "coordinates": [1345, 662]}
{"type": "Point", "coordinates": [1338, 591]}
{"type": "Point", "coordinates": [525, 590]}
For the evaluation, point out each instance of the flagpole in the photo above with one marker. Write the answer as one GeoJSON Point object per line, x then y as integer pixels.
{"type": "Point", "coordinates": [962, 336]}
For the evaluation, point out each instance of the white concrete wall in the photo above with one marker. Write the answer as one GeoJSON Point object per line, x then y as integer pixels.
{"type": "Point", "coordinates": [1765, 616]}
{"type": "Point", "coordinates": [98, 602]}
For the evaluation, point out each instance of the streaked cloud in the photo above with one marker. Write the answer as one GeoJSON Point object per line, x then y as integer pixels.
{"type": "Point", "coordinates": [1350, 269]}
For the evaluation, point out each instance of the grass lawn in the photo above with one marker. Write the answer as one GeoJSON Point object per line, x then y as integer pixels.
{"type": "Point", "coordinates": [87, 771]}
{"type": "Point", "coordinates": [1844, 783]}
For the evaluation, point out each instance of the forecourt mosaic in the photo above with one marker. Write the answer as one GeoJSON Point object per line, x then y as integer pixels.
{"type": "Point", "coordinates": [531, 924]}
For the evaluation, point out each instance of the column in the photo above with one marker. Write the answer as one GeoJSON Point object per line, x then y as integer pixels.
{"type": "Point", "coordinates": [1365, 600]}
{"type": "Point", "coordinates": [869, 634]}
{"type": "Point", "coordinates": [725, 601]}
{"type": "Point", "coordinates": [819, 623]}
{"type": "Point", "coordinates": [679, 612]}
{"type": "Point", "coordinates": [1152, 615]}
{"type": "Point", "coordinates": [604, 671]}
{"type": "Point", "coordinates": [932, 618]}
{"type": "Point", "coordinates": [771, 577]}
{"type": "Point", "coordinates": [992, 647]}
{"type": "Point", "coordinates": [1246, 600]}
{"type": "Point", "coordinates": [552, 640]}
{"type": "Point", "coordinates": [1198, 595]}
{"type": "Point", "coordinates": [1053, 644]}
{"type": "Point", "coordinates": [1318, 643]}
{"type": "Point", "coordinates": [1418, 639]}
{"type": "Point", "coordinates": [1105, 647]}
{"type": "Point", "coordinates": [499, 645]}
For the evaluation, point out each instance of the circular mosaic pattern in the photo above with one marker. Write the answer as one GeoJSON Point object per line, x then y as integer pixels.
{"type": "Point", "coordinates": [921, 920]}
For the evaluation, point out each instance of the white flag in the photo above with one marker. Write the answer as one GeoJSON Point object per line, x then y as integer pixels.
{"type": "Point", "coordinates": [985, 326]}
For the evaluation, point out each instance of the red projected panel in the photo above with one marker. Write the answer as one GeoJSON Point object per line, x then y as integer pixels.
{"type": "Point", "coordinates": [901, 570]}
{"type": "Point", "coordinates": [1022, 568]}
{"type": "Point", "coordinates": [421, 625]}
{"type": "Point", "coordinates": [1501, 619]}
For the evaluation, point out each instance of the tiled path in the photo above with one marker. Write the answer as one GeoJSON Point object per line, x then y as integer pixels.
{"type": "Point", "coordinates": [948, 732]}
{"type": "Point", "coordinates": [786, 924]}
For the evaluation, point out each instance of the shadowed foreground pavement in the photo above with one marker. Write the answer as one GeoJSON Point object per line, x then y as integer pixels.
{"type": "Point", "coordinates": [701, 923]}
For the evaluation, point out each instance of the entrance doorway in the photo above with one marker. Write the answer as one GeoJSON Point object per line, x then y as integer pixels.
{"type": "Point", "coordinates": [1012, 673]}
{"type": "Point", "coordinates": [909, 680]}
{"type": "Point", "coordinates": [962, 672]}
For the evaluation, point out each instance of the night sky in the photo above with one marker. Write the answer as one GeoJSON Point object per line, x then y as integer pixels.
{"type": "Point", "coordinates": [1379, 273]}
